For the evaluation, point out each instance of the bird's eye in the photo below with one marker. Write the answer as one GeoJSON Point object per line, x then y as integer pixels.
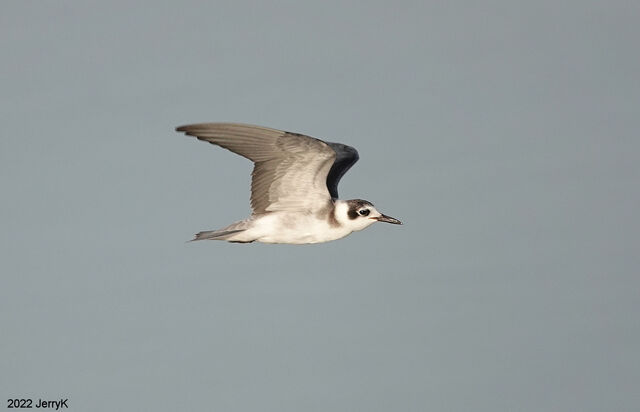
{"type": "Point", "coordinates": [364, 212]}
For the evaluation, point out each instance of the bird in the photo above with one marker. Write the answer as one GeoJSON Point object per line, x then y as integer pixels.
{"type": "Point", "coordinates": [294, 186]}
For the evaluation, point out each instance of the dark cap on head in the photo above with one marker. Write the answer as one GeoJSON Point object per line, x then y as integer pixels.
{"type": "Point", "coordinates": [355, 205]}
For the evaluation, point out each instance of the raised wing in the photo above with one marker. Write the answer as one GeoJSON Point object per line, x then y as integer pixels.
{"type": "Point", "coordinates": [346, 156]}
{"type": "Point", "coordinates": [290, 171]}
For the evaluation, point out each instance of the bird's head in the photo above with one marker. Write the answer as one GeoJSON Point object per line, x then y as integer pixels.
{"type": "Point", "coordinates": [359, 214]}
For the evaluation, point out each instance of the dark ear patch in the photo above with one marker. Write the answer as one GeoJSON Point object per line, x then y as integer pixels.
{"type": "Point", "coordinates": [353, 213]}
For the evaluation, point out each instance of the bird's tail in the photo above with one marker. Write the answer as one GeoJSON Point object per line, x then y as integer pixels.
{"type": "Point", "coordinates": [223, 234]}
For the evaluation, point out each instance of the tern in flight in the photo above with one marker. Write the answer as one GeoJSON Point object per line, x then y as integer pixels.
{"type": "Point", "coordinates": [294, 186]}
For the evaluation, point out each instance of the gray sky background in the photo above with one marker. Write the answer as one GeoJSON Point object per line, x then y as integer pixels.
{"type": "Point", "coordinates": [503, 134]}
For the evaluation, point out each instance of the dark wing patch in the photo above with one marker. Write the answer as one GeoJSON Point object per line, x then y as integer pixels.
{"type": "Point", "coordinates": [346, 156]}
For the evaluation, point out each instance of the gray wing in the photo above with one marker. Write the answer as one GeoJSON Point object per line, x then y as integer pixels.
{"type": "Point", "coordinates": [290, 171]}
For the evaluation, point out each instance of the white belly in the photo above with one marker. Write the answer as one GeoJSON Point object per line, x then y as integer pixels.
{"type": "Point", "coordinates": [282, 227]}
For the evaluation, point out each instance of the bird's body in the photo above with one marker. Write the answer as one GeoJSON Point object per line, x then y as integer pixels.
{"type": "Point", "coordinates": [294, 188]}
